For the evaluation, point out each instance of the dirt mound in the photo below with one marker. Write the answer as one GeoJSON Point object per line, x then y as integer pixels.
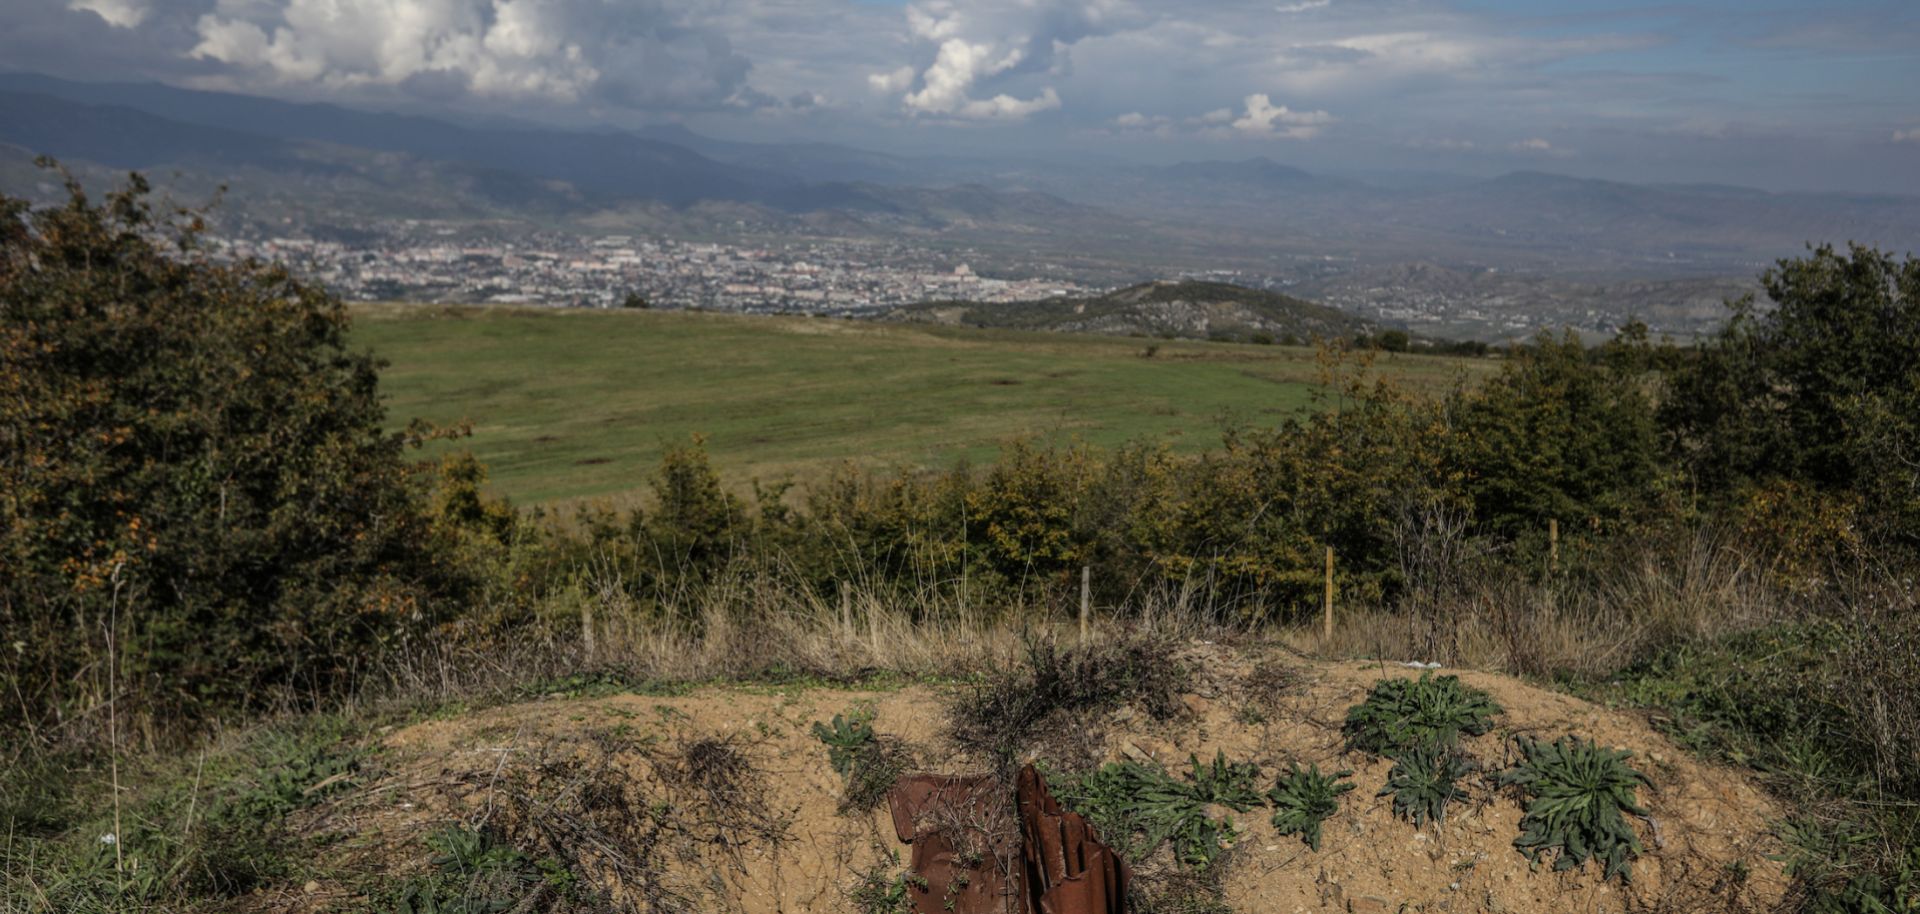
{"type": "Point", "coordinates": [722, 800]}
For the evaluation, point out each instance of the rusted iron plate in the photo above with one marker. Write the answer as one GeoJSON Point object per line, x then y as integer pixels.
{"type": "Point", "coordinates": [966, 844]}
{"type": "Point", "coordinates": [971, 855]}
{"type": "Point", "coordinates": [1068, 869]}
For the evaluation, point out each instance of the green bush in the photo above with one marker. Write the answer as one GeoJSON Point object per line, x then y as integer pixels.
{"type": "Point", "coordinates": [1431, 712]}
{"type": "Point", "coordinates": [1820, 388]}
{"type": "Point", "coordinates": [1423, 780]}
{"type": "Point", "coordinates": [194, 463]}
{"type": "Point", "coordinates": [1138, 808]}
{"type": "Point", "coordinates": [1580, 795]}
{"type": "Point", "coordinates": [1304, 798]}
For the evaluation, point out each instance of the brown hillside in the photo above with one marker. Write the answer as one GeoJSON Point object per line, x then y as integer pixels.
{"type": "Point", "coordinates": [721, 800]}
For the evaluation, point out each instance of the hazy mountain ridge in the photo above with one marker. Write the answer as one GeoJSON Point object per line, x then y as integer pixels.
{"type": "Point", "coordinates": [1526, 248]}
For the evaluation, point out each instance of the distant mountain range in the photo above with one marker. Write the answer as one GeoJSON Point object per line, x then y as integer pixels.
{"type": "Point", "coordinates": [327, 169]}
{"type": "Point", "coordinates": [1182, 310]}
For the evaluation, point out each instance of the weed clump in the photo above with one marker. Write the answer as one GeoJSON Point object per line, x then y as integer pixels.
{"type": "Point", "coordinates": [1303, 798]}
{"type": "Point", "coordinates": [1580, 795]}
{"type": "Point", "coordinates": [1224, 783]}
{"type": "Point", "coordinates": [1140, 807]}
{"type": "Point", "coordinates": [1057, 690]}
{"type": "Point", "coordinates": [867, 763]}
{"type": "Point", "coordinates": [1431, 712]}
{"type": "Point", "coordinates": [1423, 781]}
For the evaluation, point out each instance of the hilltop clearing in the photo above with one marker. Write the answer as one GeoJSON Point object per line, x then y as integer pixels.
{"type": "Point", "coordinates": [721, 799]}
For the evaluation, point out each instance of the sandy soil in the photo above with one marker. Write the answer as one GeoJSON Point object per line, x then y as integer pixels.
{"type": "Point", "coordinates": [782, 845]}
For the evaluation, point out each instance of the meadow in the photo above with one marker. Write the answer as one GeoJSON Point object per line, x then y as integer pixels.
{"type": "Point", "coordinates": [571, 404]}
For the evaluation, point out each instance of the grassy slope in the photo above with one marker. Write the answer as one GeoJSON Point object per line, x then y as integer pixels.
{"type": "Point", "coordinates": [579, 404]}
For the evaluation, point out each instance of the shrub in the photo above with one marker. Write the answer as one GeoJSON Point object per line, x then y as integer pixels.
{"type": "Point", "coordinates": [868, 764]}
{"type": "Point", "coordinates": [1560, 434]}
{"type": "Point", "coordinates": [1580, 796]}
{"type": "Point", "coordinates": [194, 465]}
{"type": "Point", "coordinates": [1303, 798]}
{"type": "Point", "coordinates": [1224, 783]}
{"type": "Point", "coordinates": [1003, 715]}
{"type": "Point", "coordinates": [1139, 807]}
{"type": "Point", "coordinates": [1423, 780]}
{"type": "Point", "coordinates": [1821, 388]}
{"type": "Point", "coordinates": [1431, 712]}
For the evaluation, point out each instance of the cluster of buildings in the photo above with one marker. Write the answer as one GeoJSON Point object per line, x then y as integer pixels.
{"type": "Point", "coordinates": [823, 277]}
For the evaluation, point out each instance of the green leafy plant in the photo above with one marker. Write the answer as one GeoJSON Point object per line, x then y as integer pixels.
{"type": "Point", "coordinates": [1580, 794]}
{"type": "Point", "coordinates": [475, 874]}
{"type": "Point", "coordinates": [1230, 784]}
{"type": "Point", "coordinates": [1139, 807]}
{"type": "Point", "coordinates": [879, 893]}
{"type": "Point", "coordinates": [846, 738]}
{"type": "Point", "coordinates": [1429, 712]}
{"type": "Point", "coordinates": [1423, 781]}
{"type": "Point", "coordinates": [1303, 798]}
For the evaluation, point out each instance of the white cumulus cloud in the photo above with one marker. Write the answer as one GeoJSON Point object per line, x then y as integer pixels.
{"type": "Point", "coordinates": [573, 51]}
{"type": "Point", "coordinates": [1264, 118]}
{"type": "Point", "coordinates": [1303, 6]}
{"type": "Point", "coordinates": [124, 14]}
{"type": "Point", "coordinates": [1907, 136]}
{"type": "Point", "coordinates": [987, 54]}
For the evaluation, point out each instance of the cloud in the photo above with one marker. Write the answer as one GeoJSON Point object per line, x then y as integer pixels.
{"type": "Point", "coordinates": [122, 14]}
{"type": "Point", "coordinates": [1303, 6]}
{"type": "Point", "coordinates": [896, 80]}
{"type": "Point", "coordinates": [1444, 144]}
{"type": "Point", "coordinates": [981, 45]}
{"type": "Point", "coordinates": [590, 52]}
{"type": "Point", "coordinates": [1264, 118]}
{"type": "Point", "coordinates": [1907, 136]}
{"type": "Point", "coordinates": [1536, 146]}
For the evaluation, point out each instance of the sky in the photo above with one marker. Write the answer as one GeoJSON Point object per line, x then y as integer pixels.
{"type": "Point", "coordinates": [1784, 95]}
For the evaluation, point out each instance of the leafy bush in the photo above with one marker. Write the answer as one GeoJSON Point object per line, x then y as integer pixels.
{"type": "Point", "coordinates": [1821, 388]}
{"type": "Point", "coordinates": [196, 466]}
{"type": "Point", "coordinates": [1581, 794]}
{"type": "Point", "coordinates": [845, 739]}
{"type": "Point", "coordinates": [1139, 808]}
{"type": "Point", "coordinates": [1224, 783]}
{"type": "Point", "coordinates": [1423, 781]}
{"type": "Point", "coordinates": [475, 873]}
{"type": "Point", "coordinates": [1303, 798]}
{"type": "Point", "coordinates": [868, 764]}
{"type": "Point", "coordinates": [1431, 712]}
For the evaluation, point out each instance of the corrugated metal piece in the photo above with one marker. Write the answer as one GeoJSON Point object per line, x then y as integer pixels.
{"type": "Point", "coordinates": [973, 854]}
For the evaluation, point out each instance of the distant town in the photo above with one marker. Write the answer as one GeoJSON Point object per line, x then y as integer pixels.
{"type": "Point", "coordinates": [425, 260]}
{"type": "Point", "coordinates": [615, 270]}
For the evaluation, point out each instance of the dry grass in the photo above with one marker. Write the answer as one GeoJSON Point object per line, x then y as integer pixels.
{"type": "Point", "coordinates": [1698, 586]}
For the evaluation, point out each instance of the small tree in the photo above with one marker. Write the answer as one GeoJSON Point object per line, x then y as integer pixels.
{"type": "Point", "coordinates": [636, 301]}
{"type": "Point", "coordinates": [193, 468]}
{"type": "Point", "coordinates": [1822, 389]}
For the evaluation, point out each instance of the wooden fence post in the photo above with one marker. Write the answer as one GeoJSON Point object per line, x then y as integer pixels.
{"type": "Point", "coordinates": [1086, 602]}
{"type": "Point", "coordinates": [1553, 544]}
{"type": "Point", "coordinates": [1326, 623]}
{"type": "Point", "coordinates": [586, 629]}
{"type": "Point", "coordinates": [846, 613]}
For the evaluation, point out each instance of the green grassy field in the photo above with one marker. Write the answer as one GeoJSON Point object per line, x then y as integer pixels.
{"type": "Point", "coordinates": [569, 404]}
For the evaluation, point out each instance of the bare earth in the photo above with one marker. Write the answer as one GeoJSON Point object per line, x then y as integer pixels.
{"type": "Point", "coordinates": [780, 844]}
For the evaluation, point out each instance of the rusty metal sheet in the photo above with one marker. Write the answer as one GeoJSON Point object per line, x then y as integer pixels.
{"type": "Point", "coordinates": [966, 844]}
{"type": "Point", "coordinates": [1069, 870]}
{"type": "Point", "coordinates": [974, 853]}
